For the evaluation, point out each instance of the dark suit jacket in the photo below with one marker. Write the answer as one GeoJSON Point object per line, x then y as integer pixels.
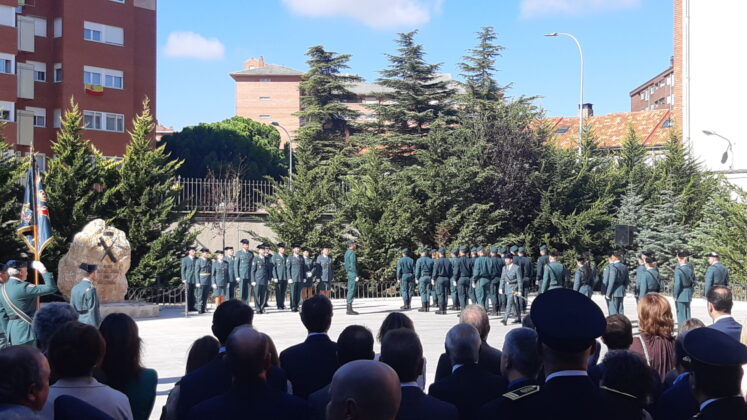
{"type": "Point", "coordinates": [729, 327]}
{"type": "Point", "coordinates": [468, 388]}
{"type": "Point", "coordinates": [677, 402]}
{"type": "Point", "coordinates": [732, 408]}
{"type": "Point", "coordinates": [491, 411]}
{"type": "Point", "coordinates": [71, 408]}
{"type": "Point", "coordinates": [490, 360]}
{"type": "Point", "coordinates": [255, 401]}
{"type": "Point", "coordinates": [318, 401]}
{"type": "Point", "coordinates": [214, 379]}
{"type": "Point", "coordinates": [416, 405]}
{"type": "Point", "coordinates": [569, 397]}
{"type": "Point", "coordinates": [310, 365]}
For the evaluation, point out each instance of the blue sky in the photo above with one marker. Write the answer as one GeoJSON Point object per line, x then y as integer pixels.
{"type": "Point", "coordinates": [625, 43]}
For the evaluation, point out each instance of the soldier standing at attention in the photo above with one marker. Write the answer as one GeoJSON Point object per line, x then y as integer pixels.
{"type": "Point", "coordinates": [242, 271]}
{"type": "Point", "coordinates": [432, 287]}
{"type": "Point", "coordinates": [615, 279]}
{"type": "Point", "coordinates": [495, 281]}
{"type": "Point", "coordinates": [684, 281]}
{"type": "Point", "coordinates": [555, 276]}
{"type": "Point", "coordinates": [219, 274]}
{"type": "Point", "coordinates": [83, 297]}
{"type": "Point", "coordinates": [472, 290]}
{"type": "Point", "coordinates": [351, 268]}
{"type": "Point", "coordinates": [454, 294]}
{"type": "Point", "coordinates": [423, 271]}
{"type": "Point", "coordinates": [542, 261]}
{"type": "Point", "coordinates": [526, 270]}
{"type": "Point", "coordinates": [3, 314]}
{"type": "Point", "coordinates": [511, 287]}
{"type": "Point", "coordinates": [651, 281]}
{"type": "Point", "coordinates": [593, 267]}
{"type": "Point", "coordinates": [584, 281]}
{"type": "Point", "coordinates": [309, 275]}
{"type": "Point", "coordinates": [463, 274]}
{"type": "Point", "coordinates": [189, 278]}
{"type": "Point", "coordinates": [640, 274]}
{"type": "Point", "coordinates": [405, 273]}
{"type": "Point", "coordinates": [717, 274]}
{"type": "Point", "coordinates": [326, 272]}
{"type": "Point", "coordinates": [232, 283]}
{"type": "Point", "coordinates": [442, 277]}
{"type": "Point", "coordinates": [19, 300]}
{"type": "Point", "coordinates": [203, 269]}
{"type": "Point", "coordinates": [259, 277]}
{"type": "Point", "coordinates": [280, 276]}
{"type": "Point", "coordinates": [482, 272]}
{"type": "Point", "coordinates": [502, 297]}
{"type": "Point", "coordinates": [296, 273]}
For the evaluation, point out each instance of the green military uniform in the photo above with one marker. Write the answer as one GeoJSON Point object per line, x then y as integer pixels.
{"type": "Point", "coordinates": [526, 270]}
{"type": "Point", "coordinates": [259, 277]}
{"type": "Point", "coordinates": [463, 274]}
{"type": "Point", "coordinates": [3, 314]}
{"type": "Point", "coordinates": [554, 277]}
{"type": "Point", "coordinates": [542, 261]}
{"type": "Point", "coordinates": [584, 282]}
{"type": "Point", "coordinates": [650, 282]}
{"type": "Point", "coordinates": [280, 277]}
{"type": "Point", "coordinates": [232, 283]}
{"type": "Point", "coordinates": [640, 274]}
{"type": "Point", "coordinates": [296, 275]}
{"type": "Point", "coordinates": [405, 277]}
{"type": "Point", "coordinates": [512, 286]}
{"type": "Point", "coordinates": [495, 281]}
{"type": "Point", "coordinates": [325, 272]}
{"type": "Point", "coordinates": [84, 299]}
{"type": "Point", "coordinates": [615, 279]}
{"type": "Point", "coordinates": [454, 294]}
{"type": "Point", "coordinates": [19, 301]}
{"type": "Point", "coordinates": [189, 278]}
{"type": "Point", "coordinates": [310, 276]}
{"type": "Point", "coordinates": [423, 272]}
{"type": "Point", "coordinates": [442, 275]}
{"type": "Point", "coordinates": [351, 268]}
{"type": "Point", "coordinates": [684, 281]}
{"type": "Point", "coordinates": [482, 273]}
{"type": "Point", "coordinates": [203, 268]}
{"type": "Point", "coordinates": [471, 292]}
{"type": "Point", "coordinates": [242, 267]}
{"type": "Point", "coordinates": [220, 276]}
{"type": "Point", "coordinates": [716, 275]}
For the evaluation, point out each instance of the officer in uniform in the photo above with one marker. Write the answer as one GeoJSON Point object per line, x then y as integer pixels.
{"type": "Point", "coordinates": [19, 299]}
{"type": "Point", "coordinates": [502, 300]}
{"type": "Point", "coordinates": [526, 270]}
{"type": "Point", "coordinates": [326, 272]}
{"type": "Point", "coordinates": [432, 290]}
{"type": "Point", "coordinates": [512, 286]}
{"type": "Point", "coordinates": [220, 275]}
{"type": "Point", "coordinates": [496, 261]}
{"type": "Point", "coordinates": [442, 278]}
{"type": "Point", "coordinates": [650, 282]}
{"type": "Point", "coordinates": [310, 275]}
{"type": "Point", "coordinates": [280, 276]}
{"type": "Point", "coordinates": [259, 276]}
{"type": "Point", "coordinates": [83, 297]}
{"type": "Point", "coordinates": [296, 275]}
{"type": "Point", "coordinates": [453, 285]}
{"type": "Point", "coordinates": [640, 274]}
{"type": "Point", "coordinates": [542, 261]}
{"type": "Point", "coordinates": [463, 275]}
{"type": "Point", "coordinates": [715, 362]}
{"type": "Point", "coordinates": [717, 274]}
{"type": "Point", "coordinates": [189, 278]}
{"type": "Point", "coordinates": [423, 272]}
{"type": "Point", "coordinates": [405, 277]}
{"type": "Point", "coordinates": [615, 280]}
{"type": "Point", "coordinates": [593, 267]}
{"type": "Point", "coordinates": [231, 260]}
{"type": "Point", "coordinates": [684, 281]}
{"type": "Point", "coordinates": [482, 272]}
{"type": "Point", "coordinates": [555, 276]}
{"type": "Point", "coordinates": [242, 267]}
{"type": "Point", "coordinates": [473, 258]}
{"type": "Point", "coordinates": [351, 268]}
{"type": "Point", "coordinates": [583, 281]}
{"type": "Point", "coordinates": [3, 314]}
{"type": "Point", "coordinates": [203, 268]}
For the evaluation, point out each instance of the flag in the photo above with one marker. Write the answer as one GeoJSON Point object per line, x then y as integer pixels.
{"type": "Point", "coordinates": [34, 213]}
{"type": "Point", "coordinates": [96, 90]}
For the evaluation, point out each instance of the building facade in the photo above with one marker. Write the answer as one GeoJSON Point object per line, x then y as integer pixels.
{"type": "Point", "coordinates": [657, 93]}
{"type": "Point", "coordinates": [101, 53]}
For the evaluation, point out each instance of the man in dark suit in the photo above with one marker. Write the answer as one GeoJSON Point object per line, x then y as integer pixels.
{"type": "Point", "coordinates": [469, 387]}
{"type": "Point", "coordinates": [520, 364]}
{"type": "Point", "coordinates": [716, 368]}
{"type": "Point", "coordinates": [720, 302]}
{"type": "Point", "coordinates": [311, 364]}
{"type": "Point", "coordinates": [364, 390]}
{"type": "Point", "coordinates": [214, 378]}
{"type": "Point", "coordinates": [354, 343]}
{"type": "Point", "coordinates": [490, 358]}
{"type": "Point", "coordinates": [401, 349]}
{"type": "Point", "coordinates": [248, 358]}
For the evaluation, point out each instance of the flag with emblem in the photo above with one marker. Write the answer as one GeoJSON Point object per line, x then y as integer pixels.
{"type": "Point", "coordinates": [35, 227]}
{"type": "Point", "coordinates": [95, 90]}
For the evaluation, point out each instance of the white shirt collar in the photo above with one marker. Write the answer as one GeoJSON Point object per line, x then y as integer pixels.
{"type": "Point", "coordinates": [722, 317]}
{"type": "Point", "coordinates": [412, 384]}
{"type": "Point", "coordinates": [566, 373]}
{"type": "Point", "coordinates": [85, 279]}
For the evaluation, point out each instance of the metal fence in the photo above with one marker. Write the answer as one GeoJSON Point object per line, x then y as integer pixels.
{"type": "Point", "coordinates": [223, 195]}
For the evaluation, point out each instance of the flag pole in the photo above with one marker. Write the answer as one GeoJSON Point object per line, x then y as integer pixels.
{"type": "Point", "coordinates": [36, 222]}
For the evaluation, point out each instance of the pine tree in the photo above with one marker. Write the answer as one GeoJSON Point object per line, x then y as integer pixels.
{"type": "Point", "coordinates": [479, 67]}
{"type": "Point", "coordinates": [631, 162]}
{"type": "Point", "coordinates": [144, 202]}
{"type": "Point", "coordinates": [633, 211]}
{"type": "Point", "coordinates": [11, 171]}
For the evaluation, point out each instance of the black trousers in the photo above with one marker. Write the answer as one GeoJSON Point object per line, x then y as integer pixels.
{"type": "Point", "coordinates": [191, 296]}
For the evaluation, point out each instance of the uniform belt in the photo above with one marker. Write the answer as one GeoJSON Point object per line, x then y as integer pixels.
{"type": "Point", "coordinates": [13, 317]}
{"type": "Point", "coordinates": [204, 274]}
{"type": "Point", "coordinates": [426, 274]}
{"type": "Point", "coordinates": [83, 312]}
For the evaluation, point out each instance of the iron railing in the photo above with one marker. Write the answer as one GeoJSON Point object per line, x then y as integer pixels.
{"type": "Point", "coordinates": [223, 195]}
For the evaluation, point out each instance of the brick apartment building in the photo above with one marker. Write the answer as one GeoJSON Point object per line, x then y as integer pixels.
{"type": "Point", "coordinates": [656, 93]}
{"type": "Point", "coordinates": [101, 52]}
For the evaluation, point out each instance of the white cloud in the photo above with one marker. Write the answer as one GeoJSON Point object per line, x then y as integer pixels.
{"type": "Point", "coordinates": [538, 8]}
{"type": "Point", "coordinates": [191, 45]}
{"type": "Point", "coordinates": [379, 14]}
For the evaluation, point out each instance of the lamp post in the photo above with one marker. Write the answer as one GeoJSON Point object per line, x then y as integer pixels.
{"type": "Point", "coordinates": [581, 94]}
{"type": "Point", "coordinates": [725, 156]}
{"type": "Point", "coordinates": [290, 152]}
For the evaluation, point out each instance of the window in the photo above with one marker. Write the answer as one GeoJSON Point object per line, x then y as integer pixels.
{"type": "Point", "coordinates": [103, 77]}
{"type": "Point", "coordinates": [667, 123]}
{"type": "Point", "coordinates": [98, 32]}
{"type": "Point", "coordinates": [264, 116]}
{"type": "Point", "coordinates": [562, 130]}
{"type": "Point", "coordinates": [57, 72]}
{"type": "Point", "coordinates": [40, 71]}
{"type": "Point", "coordinates": [40, 116]}
{"type": "Point", "coordinates": [56, 117]}
{"type": "Point", "coordinates": [92, 120]}
{"type": "Point", "coordinates": [7, 110]}
{"type": "Point", "coordinates": [265, 79]}
{"type": "Point", "coordinates": [57, 27]}
{"type": "Point", "coordinates": [107, 121]}
{"type": "Point", "coordinates": [115, 122]}
{"type": "Point", "coordinates": [7, 16]}
{"type": "Point", "coordinates": [264, 98]}
{"type": "Point", "coordinates": [7, 63]}
{"type": "Point", "coordinates": [40, 27]}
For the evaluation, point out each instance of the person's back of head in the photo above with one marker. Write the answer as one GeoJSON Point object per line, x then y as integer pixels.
{"type": "Point", "coordinates": [401, 349]}
{"type": "Point", "coordinates": [393, 321]}
{"type": "Point", "coordinates": [49, 319]}
{"type": "Point", "coordinates": [355, 343]}
{"type": "Point", "coordinates": [476, 316]}
{"type": "Point", "coordinates": [463, 344]}
{"type": "Point", "coordinates": [363, 390]}
{"type": "Point", "coordinates": [689, 325]}
{"type": "Point", "coordinates": [627, 372]}
{"type": "Point", "coordinates": [720, 299]}
{"type": "Point", "coordinates": [229, 315]}
{"type": "Point", "coordinates": [316, 314]}
{"type": "Point", "coordinates": [25, 377]}
{"type": "Point", "coordinates": [520, 356]}
{"type": "Point", "coordinates": [272, 350]}
{"type": "Point", "coordinates": [619, 332]}
{"type": "Point", "coordinates": [121, 363]}
{"type": "Point", "coordinates": [202, 351]}
{"type": "Point", "coordinates": [75, 349]}
{"type": "Point", "coordinates": [247, 355]}
{"type": "Point", "coordinates": [655, 316]}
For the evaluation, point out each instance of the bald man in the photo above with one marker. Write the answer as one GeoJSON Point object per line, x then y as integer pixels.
{"type": "Point", "coordinates": [351, 392]}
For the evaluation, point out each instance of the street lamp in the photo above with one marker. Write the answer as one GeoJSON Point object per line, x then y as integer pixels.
{"type": "Point", "coordinates": [581, 95]}
{"type": "Point", "coordinates": [725, 156]}
{"type": "Point", "coordinates": [290, 151]}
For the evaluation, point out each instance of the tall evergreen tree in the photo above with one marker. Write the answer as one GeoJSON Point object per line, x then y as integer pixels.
{"type": "Point", "coordinates": [479, 67]}
{"type": "Point", "coordinates": [633, 211]}
{"type": "Point", "coordinates": [631, 162]}
{"type": "Point", "coordinates": [11, 171]}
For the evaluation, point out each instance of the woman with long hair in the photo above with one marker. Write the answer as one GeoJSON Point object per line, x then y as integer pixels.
{"type": "Point", "coordinates": [656, 340]}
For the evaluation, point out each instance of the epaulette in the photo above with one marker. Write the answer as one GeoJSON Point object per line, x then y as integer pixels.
{"type": "Point", "coordinates": [522, 392]}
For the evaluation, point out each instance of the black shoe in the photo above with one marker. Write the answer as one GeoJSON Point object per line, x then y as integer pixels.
{"type": "Point", "coordinates": [503, 321]}
{"type": "Point", "coordinates": [350, 310]}
{"type": "Point", "coordinates": [422, 309]}
{"type": "Point", "coordinates": [518, 321]}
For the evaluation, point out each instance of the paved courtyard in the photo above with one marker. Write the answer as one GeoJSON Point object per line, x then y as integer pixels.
{"type": "Point", "coordinates": [166, 340]}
